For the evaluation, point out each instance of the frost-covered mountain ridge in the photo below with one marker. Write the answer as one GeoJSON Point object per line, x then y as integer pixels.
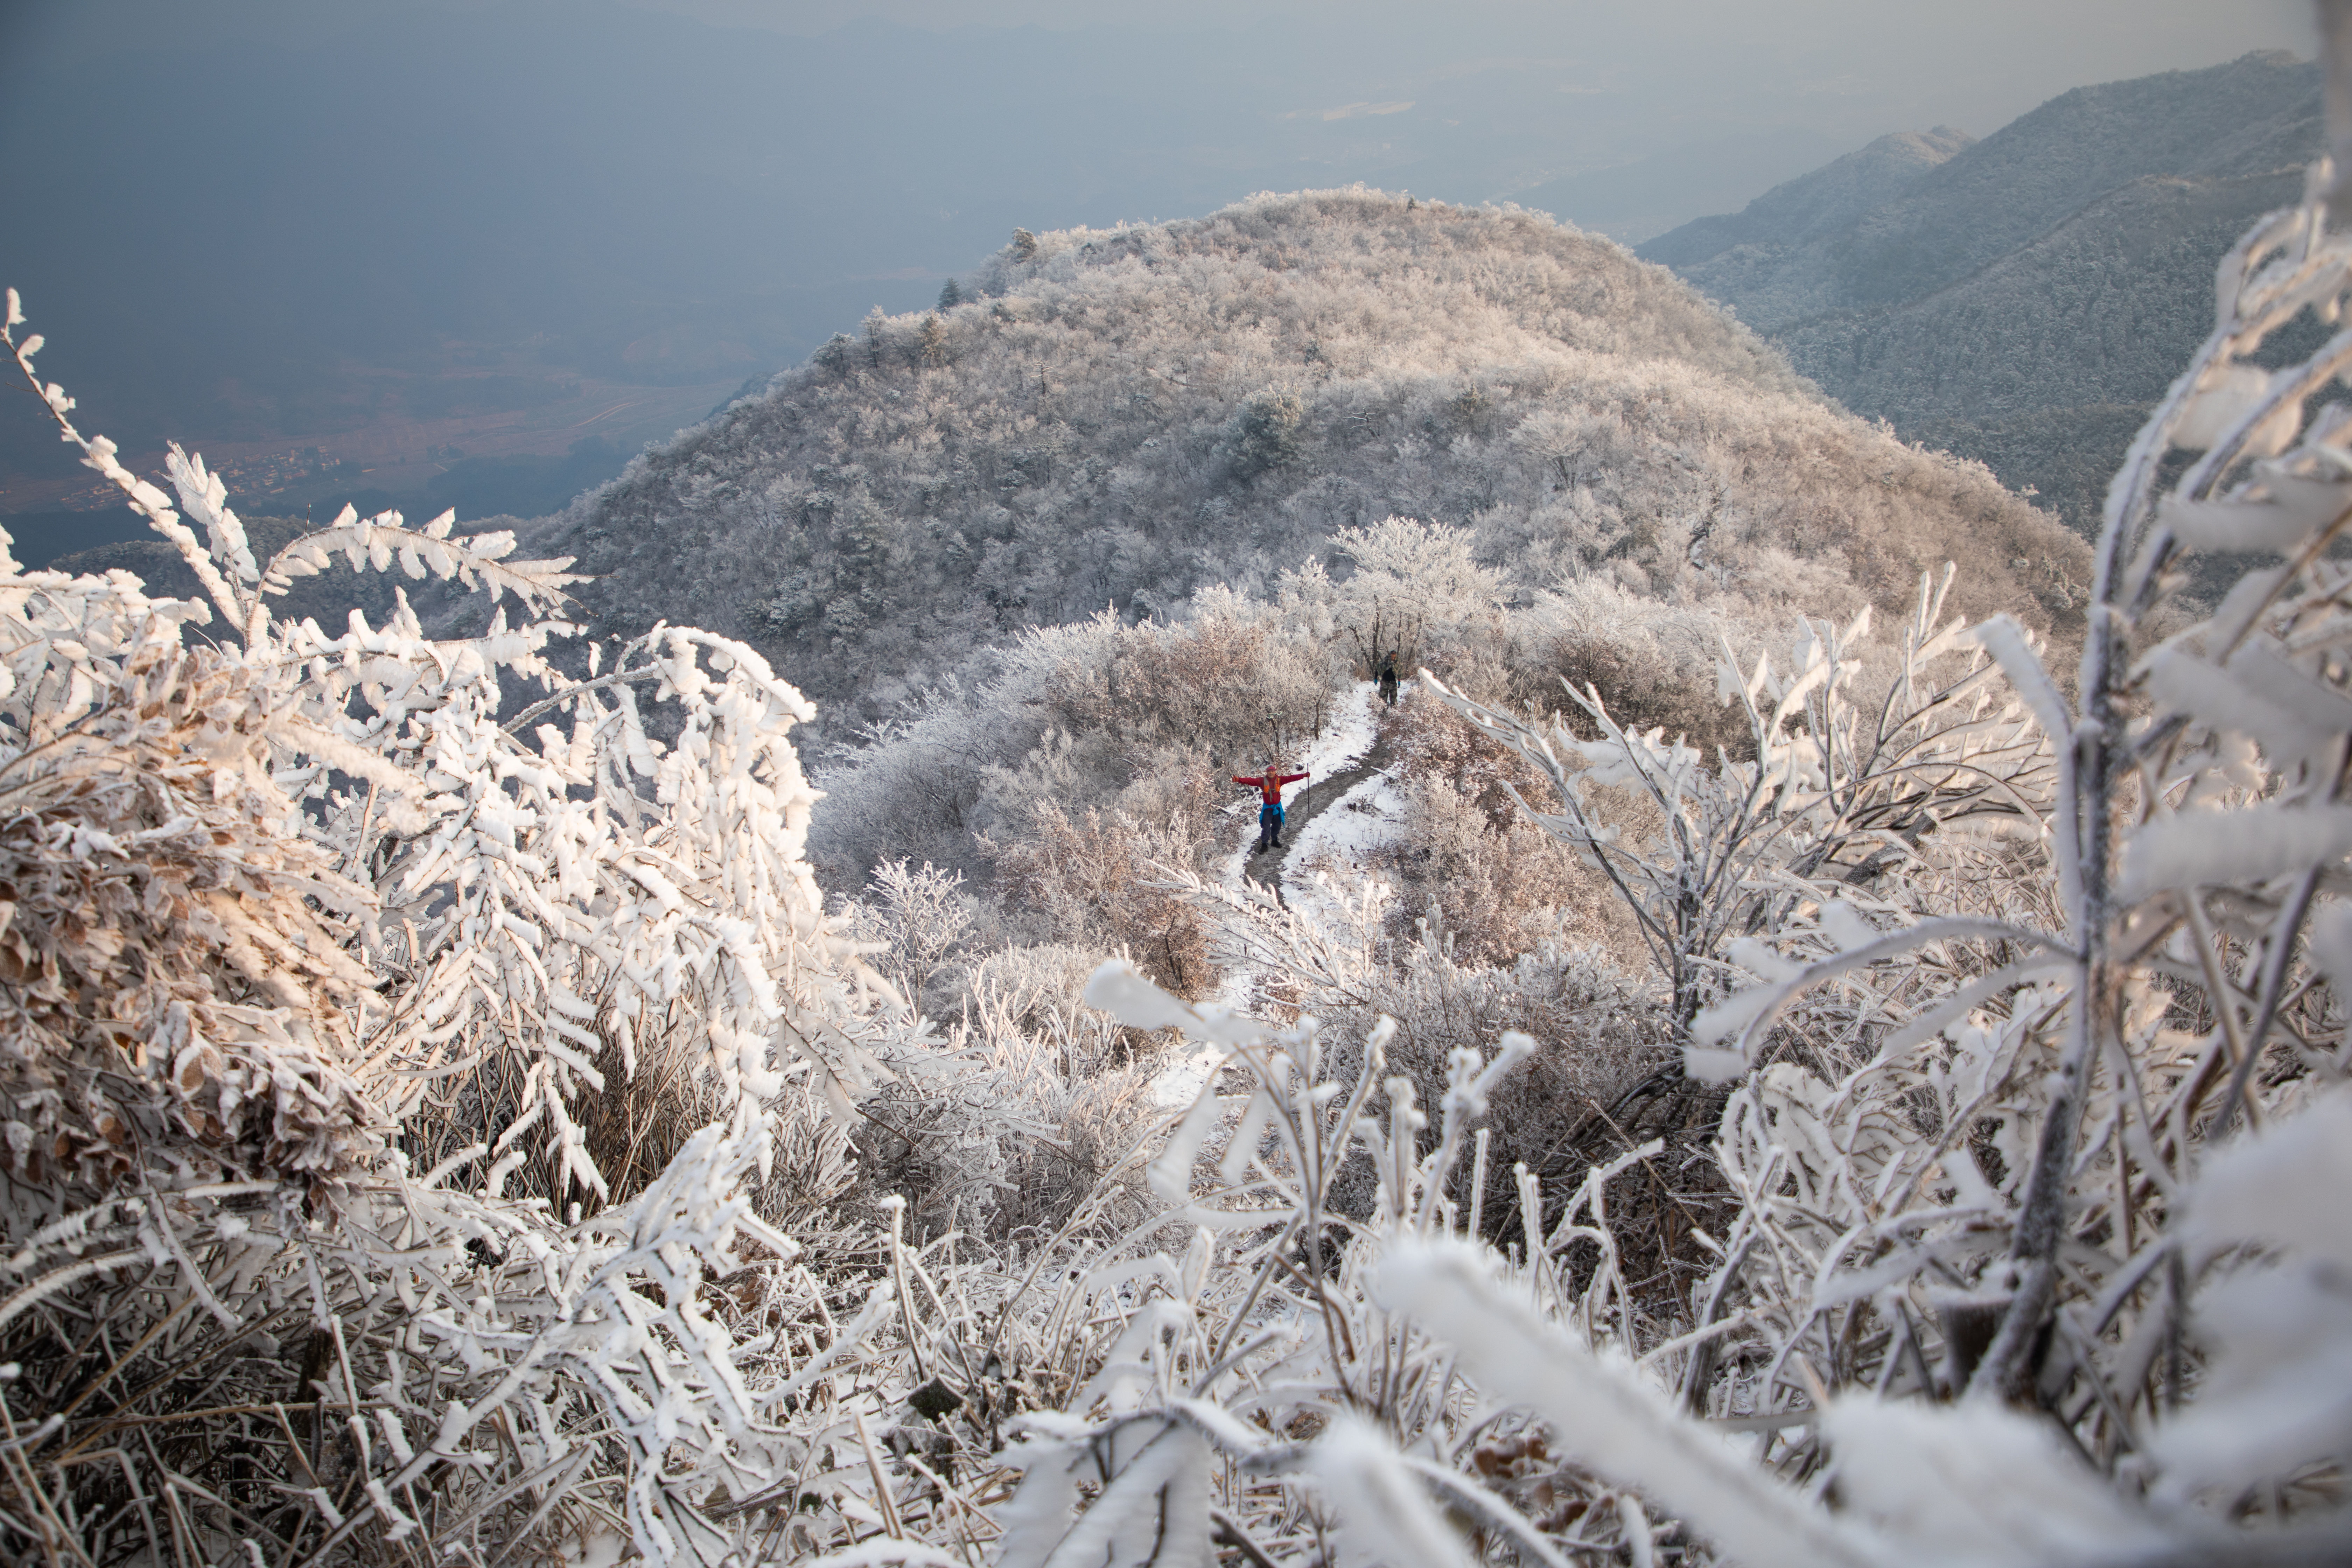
{"type": "Point", "coordinates": [2025, 299]}
{"type": "Point", "coordinates": [1126, 417]}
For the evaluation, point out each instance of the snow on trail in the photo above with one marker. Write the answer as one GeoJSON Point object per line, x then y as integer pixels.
{"type": "Point", "coordinates": [1342, 744]}
{"type": "Point", "coordinates": [1339, 842]}
{"type": "Point", "coordinates": [1337, 836]}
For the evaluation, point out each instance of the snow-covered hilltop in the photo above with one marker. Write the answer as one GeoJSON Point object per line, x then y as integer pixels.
{"type": "Point", "coordinates": [1124, 417]}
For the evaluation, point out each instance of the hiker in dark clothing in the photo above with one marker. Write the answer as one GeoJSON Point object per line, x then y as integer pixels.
{"type": "Point", "coordinates": [1388, 680]}
{"type": "Point", "coordinates": [1269, 812]}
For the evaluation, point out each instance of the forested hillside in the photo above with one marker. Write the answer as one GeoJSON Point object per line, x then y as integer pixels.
{"type": "Point", "coordinates": [1124, 417]}
{"type": "Point", "coordinates": [2023, 300]}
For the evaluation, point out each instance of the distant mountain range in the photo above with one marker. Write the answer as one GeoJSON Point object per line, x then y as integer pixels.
{"type": "Point", "coordinates": [2025, 299]}
{"type": "Point", "coordinates": [1125, 418]}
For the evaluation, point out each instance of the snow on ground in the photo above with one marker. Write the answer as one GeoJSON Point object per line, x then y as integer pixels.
{"type": "Point", "coordinates": [1342, 744]}
{"type": "Point", "coordinates": [1340, 844]}
{"type": "Point", "coordinates": [1341, 840]}
{"type": "Point", "coordinates": [1351, 733]}
{"type": "Point", "coordinates": [1185, 1071]}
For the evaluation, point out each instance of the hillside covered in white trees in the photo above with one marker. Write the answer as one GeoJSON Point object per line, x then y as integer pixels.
{"type": "Point", "coordinates": [1803, 1022]}
{"type": "Point", "coordinates": [1124, 417]}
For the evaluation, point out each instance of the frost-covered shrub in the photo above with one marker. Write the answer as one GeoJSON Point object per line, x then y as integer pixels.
{"type": "Point", "coordinates": [1488, 880]}
{"type": "Point", "coordinates": [1268, 432]}
{"type": "Point", "coordinates": [176, 963]}
{"type": "Point", "coordinates": [915, 919]}
{"type": "Point", "coordinates": [1020, 1112]}
{"type": "Point", "coordinates": [1255, 1383]}
{"type": "Point", "coordinates": [1652, 663]}
{"type": "Point", "coordinates": [1146, 719]}
{"type": "Point", "coordinates": [1236, 678]}
{"type": "Point", "coordinates": [1094, 879]}
{"type": "Point", "coordinates": [1845, 783]}
{"type": "Point", "coordinates": [1643, 694]}
{"type": "Point", "coordinates": [315, 943]}
{"type": "Point", "coordinates": [1597, 1038]}
{"type": "Point", "coordinates": [1468, 862]}
{"type": "Point", "coordinates": [919, 786]}
{"type": "Point", "coordinates": [1030, 987]}
{"type": "Point", "coordinates": [1404, 587]}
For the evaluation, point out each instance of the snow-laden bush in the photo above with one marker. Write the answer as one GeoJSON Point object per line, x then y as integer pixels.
{"type": "Point", "coordinates": [1838, 785]}
{"type": "Point", "coordinates": [1466, 862]}
{"type": "Point", "coordinates": [1651, 663]}
{"type": "Point", "coordinates": [1094, 715]}
{"type": "Point", "coordinates": [1097, 879]}
{"type": "Point", "coordinates": [1411, 590]}
{"type": "Point", "coordinates": [1015, 1112]}
{"type": "Point", "coordinates": [1237, 677]}
{"type": "Point", "coordinates": [914, 920]}
{"type": "Point", "coordinates": [314, 942]}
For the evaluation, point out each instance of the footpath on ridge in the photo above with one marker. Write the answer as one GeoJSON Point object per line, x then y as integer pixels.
{"type": "Point", "coordinates": [1350, 753]}
{"type": "Point", "coordinates": [1315, 797]}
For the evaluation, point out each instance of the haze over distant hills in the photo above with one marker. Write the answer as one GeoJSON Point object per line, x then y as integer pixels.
{"type": "Point", "coordinates": [428, 237]}
{"type": "Point", "coordinates": [2025, 299]}
{"type": "Point", "coordinates": [1812, 207]}
{"type": "Point", "coordinates": [477, 252]}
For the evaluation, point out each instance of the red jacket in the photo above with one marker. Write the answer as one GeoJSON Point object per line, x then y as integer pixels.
{"type": "Point", "coordinates": [1269, 784]}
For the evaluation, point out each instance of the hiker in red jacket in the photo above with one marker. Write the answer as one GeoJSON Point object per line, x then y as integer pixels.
{"type": "Point", "coordinates": [1269, 812]}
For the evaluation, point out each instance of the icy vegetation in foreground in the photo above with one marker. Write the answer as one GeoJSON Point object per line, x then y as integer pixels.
{"type": "Point", "coordinates": [444, 1123]}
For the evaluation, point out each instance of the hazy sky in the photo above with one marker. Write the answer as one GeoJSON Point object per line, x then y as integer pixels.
{"type": "Point", "coordinates": [1842, 66]}
{"type": "Point", "coordinates": [1479, 98]}
{"type": "Point", "coordinates": [1835, 62]}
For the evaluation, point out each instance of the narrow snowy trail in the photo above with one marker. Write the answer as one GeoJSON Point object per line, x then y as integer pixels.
{"type": "Point", "coordinates": [1317, 796]}
{"type": "Point", "coordinates": [1346, 767]}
